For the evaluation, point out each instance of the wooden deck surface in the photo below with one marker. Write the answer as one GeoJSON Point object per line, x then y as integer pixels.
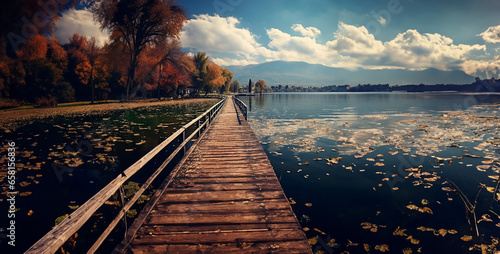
{"type": "Point", "coordinates": [225, 198]}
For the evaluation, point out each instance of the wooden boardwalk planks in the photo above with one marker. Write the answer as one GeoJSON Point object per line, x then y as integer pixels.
{"type": "Point", "coordinates": [225, 198]}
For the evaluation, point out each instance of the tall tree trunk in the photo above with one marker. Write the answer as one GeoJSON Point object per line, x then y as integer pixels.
{"type": "Point", "coordinates": [131, 74]}
{"type": "Point", "coordinates": [92, 81]}
{"type": "Point", "coordinates": [159, 81]}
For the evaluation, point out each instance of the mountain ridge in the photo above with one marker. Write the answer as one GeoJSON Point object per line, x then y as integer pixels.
{"type": "Point", "coordinates": [302, 73]}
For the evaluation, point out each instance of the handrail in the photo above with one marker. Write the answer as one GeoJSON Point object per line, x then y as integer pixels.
{"type": "Point", "coordinates": [55, 238]}
{"type": "Point", "coordinates": [243, 107]}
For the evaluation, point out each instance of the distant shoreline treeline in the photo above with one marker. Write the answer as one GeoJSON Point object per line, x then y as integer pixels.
{"type": "Point", "coordinates": [486, 85]}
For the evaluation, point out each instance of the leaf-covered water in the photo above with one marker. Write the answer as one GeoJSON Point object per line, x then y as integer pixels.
{"type": "Point", "coordinates": [61, 162]}
{"type": "Point", "coordinates": [377, 172]}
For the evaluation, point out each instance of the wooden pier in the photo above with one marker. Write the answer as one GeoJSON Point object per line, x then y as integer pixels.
{"type": "Point", "coordinates": [222, 197]}
{"type": "Point", "coordinates": [225, 198]}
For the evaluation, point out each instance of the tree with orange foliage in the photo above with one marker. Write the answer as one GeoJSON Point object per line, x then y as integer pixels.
{"type": "Point", "coordinates": [35, 48]}
{"type": "Point", "coordinates": [140, 23]}
{"type": "Point", "coordinates": [215, 79]}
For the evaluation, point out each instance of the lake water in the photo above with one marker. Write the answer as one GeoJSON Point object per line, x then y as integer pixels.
{"type": "Point", "coordinates": [63, 161]}
{"type": "Point", "coordinates": [372, 171]}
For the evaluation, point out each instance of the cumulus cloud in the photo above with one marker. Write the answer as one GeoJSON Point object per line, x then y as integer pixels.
{"type": "Point", "coordinates": [355, 41]}
{"type": "Point", "coordinates": [350, 47]}
{"type": "Point", "coordinates": [492, 34]}
{"type": "Point", "coordinates": [81, 22]}
{"type": "Point", "coordinates": [220, 34]}
{"type": "Point", "coordinates": [306, 31]}
{"type": "Point", "coordinates": [412, 49]}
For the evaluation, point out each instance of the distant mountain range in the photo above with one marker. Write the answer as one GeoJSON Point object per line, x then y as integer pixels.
{"type": "Point", "coordinates": [301, 73]}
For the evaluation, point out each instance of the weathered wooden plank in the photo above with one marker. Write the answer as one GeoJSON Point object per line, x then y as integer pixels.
{"type": "Point", "coordinates": [222, 207]}
{"type": "Point", "coordinates": [207, 228]}
{"type": "Point", "coordinates": [221, 237]}
{"type": "Point", "coordinates": [297, 247]}
{"type": "Point", "coordinates": [225, 198]}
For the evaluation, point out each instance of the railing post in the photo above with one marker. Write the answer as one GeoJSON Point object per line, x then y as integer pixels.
{"type": "Point", "coordinates": [183, 139]}
{"type": "Point", "coordinates": [122, 197]}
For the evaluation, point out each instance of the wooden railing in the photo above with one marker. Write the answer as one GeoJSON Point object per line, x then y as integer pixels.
{"type": "Point", "coordinates": [55, 238]}
{"type": "Point", "coordinates": [243, 107]}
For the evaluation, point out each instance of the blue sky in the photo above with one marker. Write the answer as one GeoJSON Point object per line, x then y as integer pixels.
{"type": "Point", "coordinates": [372, 34]}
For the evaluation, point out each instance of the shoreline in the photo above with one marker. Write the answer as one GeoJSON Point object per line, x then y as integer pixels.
{"type": "Point", "coordinates": [12, 116]}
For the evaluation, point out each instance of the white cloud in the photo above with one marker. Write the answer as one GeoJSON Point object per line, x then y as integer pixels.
{"type": "Point", "coordinates": [355, 41]}
{"type": "Point", "coordinates": [306, 31]}
{"type": "Point", "coordinates": [492, 34]}
{"type": "Point", "coordinates": [486, 69]}
{"type": "Point", "coordinates": [219, 34]}
{"type": "Point", "coordinates": [414, 50]}
{"type": "Point", "coordinates": [351, 47]}
{"type": "Point", "coordinates": [81, 22]}
{"type": "Point", "coordinates": [228, 61]}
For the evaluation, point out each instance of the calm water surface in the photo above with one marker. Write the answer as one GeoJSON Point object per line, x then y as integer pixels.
{"type": "Point", "coordinates": [370, 172]}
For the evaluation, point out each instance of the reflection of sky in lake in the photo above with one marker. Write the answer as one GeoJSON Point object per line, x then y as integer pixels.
{"type": "Point", "coordinates": [376, 139]}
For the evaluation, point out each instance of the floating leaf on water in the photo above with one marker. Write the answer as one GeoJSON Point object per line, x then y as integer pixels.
{"type": "Point", "coordinates": [385, 179]}
{"type": "Point", "coordinates": [422, 228]}
{"type": "Point", "coordinates": [292, 202]}
{"type": "Point", "coordinates": [24, 184]}
{"type": "Point", "coordinates": [379, 164]}
{"type": "Point", "coordinates": [370, 159]}
{"type": "Point", "coordinates": [24, 194]}
{"type": "Point", "coordinates": [490, 189]}
{"type": "Point", "coordinates": [60, 219]}
{"type": "Point", "coordinates": [350, 243]}
{"type": "Point", "coordinates": [395, 188]}
{"type": "Point", "coordinates": [313, 241]}
{"type": "Point", "coordinates": [442, 232]}
{"type": "Point", "coordinates": [366, 247]}
{"type": "Point", "coordinates": [485, 217]}
{"type": "Point", "coordinates": [399, 232]}
{"type": "Point", "coordinates": [393, 152]}
{"type": "Point", "coordinates": [424, 202]}
{"type": "Point", "coordinates": [382, 248]}
{"type": "Point", "coordinates": [452, 231]}
{"type": "Point", "coordinates": [482, 168]}
{"type": "Point", "coordinates": [412, 169]}
{"type": "Point", "coordinates": [308, 204]}
{"type": "Point", "coordinates": [487, 162]}
{"type": "Point", "coordinates": [349, 167]}
{"type": "Point", "coordinates": [305, 229]}
{"type": "Point", "coordinates": [412, 207]}
{"type": "Point", "coordinates": [300, 170]}
{"type": "Point", "coordinates": [495, 177]}
{"type": "Point", "coordinates": [448, 189]}
{"type": "Point", "coordinates": [407, 251]}
{"type": "Point", "coordinates": [357, 156]}
{"type": "Point", "coordinates": [73, 207]}
{"type": "Point", "coordinates": [466, 238]}
{"type": "Point", "coordinates": [30, 212]}
{"type": "Point", "coordinates": [413, 240]}
{"type": "Point", "coordinates": [113, 203]}
{"type": "Point", "coordinates": [425, 210]}
{"type": "Point", "coordinates": [319, 231]}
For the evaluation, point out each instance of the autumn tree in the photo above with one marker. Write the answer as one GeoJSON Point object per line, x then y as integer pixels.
{"type": "Point", "coordinates": [260, 86]}
{"type": "Point", "coordinates": [235, 86]}
{"type": "Point", "coordinates": [201, 61]}
{"type": "Point", "coordinates": [229, 77]}
{"type": "Point", "coordinates": [22, 19]}
{"type": "Point", "coordinates": [92, 52]}
{"type": "Point", "coordinates": [140, 23]}
{"type": "Point", "coordinates": [214, 79]}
